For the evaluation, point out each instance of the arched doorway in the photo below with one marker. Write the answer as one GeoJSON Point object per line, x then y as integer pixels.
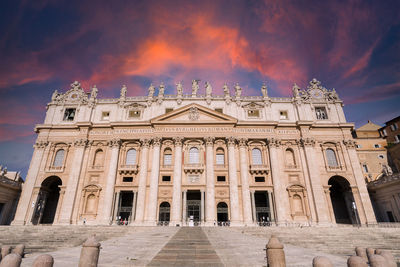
{"type": "Point", "coordinates": [47, 201]}
{"type": "Point", "coordinates": [343, 203]}
{"type": "Point", "coordinates": [222, 212]}
{"type": "Point", "coordinates": [164, 213]}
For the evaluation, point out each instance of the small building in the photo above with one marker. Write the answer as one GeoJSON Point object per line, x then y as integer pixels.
{"type": "Point", "coordinates": [391, 132]}
{"type": "Point", "coordinates": [10, 190]}
{"type": "Point", "coordinates": [371, 150]}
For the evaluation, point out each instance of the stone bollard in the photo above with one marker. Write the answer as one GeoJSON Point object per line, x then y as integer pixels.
{"type": "Point", "coordinates": [275, 253]}
{"type": "Point", "coordinates": [90, 253]}
{"type": "Point", "coordinates": [356, 261]}
{"type": "Point", "coordinates": [377, 261]}
{"type": "Point", "coordinates": [378, 251]}
{"type": "Point", "coordinates": [389, 258]}
{"type": "Point", "coordinates": [361, 252]}
{"type": "Point", "coordinates": [44, 260]}
{"type": "Point", "coordinates": [321, 262]}
{"type": "Point", "coordinates": [370, 252]}
{"type": "Point", "coordinates": [5, 250]}
{"type": "Point", "coordinates": [19, 249]}
{"type": "Point", "coordinates": [11, 260]}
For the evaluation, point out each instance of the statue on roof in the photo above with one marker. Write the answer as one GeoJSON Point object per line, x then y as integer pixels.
{"type": "Point", "coordinates": [123, 91]}
{"type": "Point", "coordinates": [161, 89]}
{"type": "Point", "coordinates": [296, 90]}
{"type": "Point", "coordinates": [264, 90]}
{"type": "Point", "coordinates": [238, 90]}
{"type": "Point", "coordinates": [195, 87]}
{"type": "Point", "coordinates": [179, 88]}
{"type": "Point", "coordinates": [93, 93]}
{"type": "Point", "coordinates": [54, 95]}
{"type": "Point", "coordinates": [208, 89]}
{"type": "Point", "coordinates": [151, 90]}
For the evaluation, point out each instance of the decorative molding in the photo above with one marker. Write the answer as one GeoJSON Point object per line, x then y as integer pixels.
{"type": "Point", "coordinates": [193, 114]}
{"type": "Point", "coordinates": [308, 141]}
{"type": "Point", "coordinates": [243, 142]}
{"type": "Point", "coordinates": [40, 144]}
{"type": "Point", "coordinates": [80, 142]}
{"type": "Point", "coordinates": [145, 142]}
{"type": "Point", "coordinates": [156, 141]}
{"type": "Point", "coordinates": [231, 141]}
{"type": "Point", "coordinates": [114, 143]}
{"type": "Point", "coordinates": [274, 142]}
{"type": "Point", "coordinates": [178, 140]}
{"type": "Point", "coordinates": [209, 140]}
{"type": "Point", "coordinates": [349, 143]}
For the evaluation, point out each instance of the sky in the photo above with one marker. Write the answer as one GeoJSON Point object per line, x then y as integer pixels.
{"type": "Point", "coordinates": [352, 46]}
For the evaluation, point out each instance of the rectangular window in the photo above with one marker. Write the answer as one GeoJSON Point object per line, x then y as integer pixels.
{"type": "Point", "coordinates": [134, 114]}
{"type": "Point", "coordinates": [377, 146]}
{"type": "Point", "coordinates": [358, 146]}
{"type": "Point", "coordinates": [167, 159]}
{"type": "Point", "coordinates": [167, 110]}
{"type": "Point", "coordinates": [166, 178]}
{"type": "Point", "coordinates": [397, 138]}
{"type": "Point", "coordinates": [1, 209]}
{"type": "Point", "coordinates": [253, 113]}
{"type": "Point", "coordinates": [105, 115]}
{"type": "Point", "coordinates": [69, 114]}
{"type": "Point", "coordinates": [220, 159]}
{"type": "Point", "coordinates": [259, 179]}
{"type": "Point", "coordinates": [393, 127]}
{"type": "Point", "coordinates": [365, 168]}
{"type": "Point", "coordinates": [220, 178]}
{"type": "Point", "coordinates": [127, 179]}
{"type": "Point", "coordinates": [321, 114]}
{"type": "Point", "coordinates": [384, 132]}
{"type": "Point", "coordinates": [218, 110]}
{"type": "Point", "coordinates": [283, 115]}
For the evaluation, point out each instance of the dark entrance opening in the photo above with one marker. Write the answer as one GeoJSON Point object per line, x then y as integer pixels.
{"type": "Point", "coordinates": [193, 205]}
{"type": "Point", "coordinates": [125, 206]}
{"type": "Point", "coordinates": [222, 212]}
{"type": "Point", "coordinates": [47, 201]}
{"type": "Point", "coordinates": [343, 203]}
{"type": "Point", "coordinates": [262, 206]}
{"type": "Point", "coordinates": [164, 213]}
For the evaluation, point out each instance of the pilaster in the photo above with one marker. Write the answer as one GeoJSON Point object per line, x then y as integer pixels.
{"type": "Point", "coordinates": [210, 182]}
{"type": "Point", "coordinates": [233, 183]}
{"type": "Point", "coordinates": [244, 172]}
{"type": "Point", "coordinates": [141, 194]}
{"type": "Point", "coordinates": [153, 193]}
{"type": "Point", "coordinates": [177, 183]}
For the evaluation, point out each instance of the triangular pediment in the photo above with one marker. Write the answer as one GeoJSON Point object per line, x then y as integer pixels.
{"type": "Point", "coordinates": [194, 114]}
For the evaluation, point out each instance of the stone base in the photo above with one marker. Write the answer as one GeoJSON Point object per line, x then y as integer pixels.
{"type": "Point", "coordinates": [18, 222]}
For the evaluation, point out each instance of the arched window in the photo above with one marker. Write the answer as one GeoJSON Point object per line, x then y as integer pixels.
{"type": "Point", "coordinates": [59, 158]}
{"type": "Point", "coordinates": [98, 158]}
{"type": "Point", "coordinates": [289, 157]}
{"type": "Point", "coordinates": [131, 157]}
{"type": "Point", "coordinates": [256, 156]}
{"type": "Point", "coordinates": [331, 158]}
{"type": "Point", "coordinates": [220, 157]}
{"type": "Point", "coordinates": [167, 157]}
{"type": "Point", "coordinates": [194, 155]}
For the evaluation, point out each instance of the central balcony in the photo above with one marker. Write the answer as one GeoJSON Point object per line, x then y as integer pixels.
{"type": "Point", "coordinates": [193, 168]}
{"type": "Point", "coordinates": [128, 169]}
{"type": "Point", "coordinates": [259, 169]}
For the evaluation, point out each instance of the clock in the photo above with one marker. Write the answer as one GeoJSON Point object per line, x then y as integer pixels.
{"type": "Point", "coordinates": [316, 93]}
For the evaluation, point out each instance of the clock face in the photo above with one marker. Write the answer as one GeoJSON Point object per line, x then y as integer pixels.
{"type": "Point", "coordinates": [73, 96]}
{"type": "Point", "coordinates": [316, 93]}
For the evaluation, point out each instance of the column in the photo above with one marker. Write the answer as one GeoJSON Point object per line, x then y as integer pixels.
{"type": "Point", "coordinates": [116, 206]}
{"type": "Point", "coordinates": [24, 205]}
{"type": "Point", "coordinates": [279, 191]}
{"type": "Point", "coordinates": [253, 205]}
{"type": "Point", "coordinates": [202, 206]}
{"type": "Point", "coordinates": [362, 188]}
{"type": "Point", "coordinates": [134, 205]}
{"type": "Point", "coordinates": [153, 192]}
{"type": "Point", "coordinates": [233, 184]}
{"type": "Point", "coordinates": [177, 183]}
{"type": "Point", "coordinates": [184, 207]}
{"type": "Point", "coordinates": [72, 185]}
{"type": "Point", "coordinates": [244, 172]}
{"type": "Point", "coordinates": [110, 182]}
{"type": "Point", "coordinates": [210, 182]}
{"type": "Point", "coordinates": [141, 195]}
{"type": "Point", "coordinates": [321, 207]}
{"type": "Point", "coordinates": [271, 207]}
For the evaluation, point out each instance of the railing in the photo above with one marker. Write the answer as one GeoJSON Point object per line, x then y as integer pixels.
{"type": "Point", "coordinates": [224, 223]}
{"type": "Point", "coordinates": [55, 168]}
{"type": "Point", "coordinates": [167, 166]}
{"type": "Point", "coordinates": [193, 168]}
{"type": "Point", "coordinates": [389, 224]}
{"type": "Point", "coordinates": [162, 223]}
{"type": "Point", "coordinates": [128, 169]}
{"type": "Point", "coordinates": [334, 167]}
{"type": "Point", "coordinates": [258, 168]}
{"type": "Point", "coordinates": [220, 166]}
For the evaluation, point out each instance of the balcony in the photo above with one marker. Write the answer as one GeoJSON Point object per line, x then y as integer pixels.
{"type": "Point", "coordinates": [55, 169]}
{"type": "Point", "coordinates": [220, 166]}
{"type": "Point", "coordinates": [193, 168]}
{"type": "Point", "coordinates": [258, 169]}
{"type": "Point", "coordinates": [128, 169]}
{"type": "Point", "coordinates": [334, 168]}
{"type": "Point", "coordinates": [167, 167]}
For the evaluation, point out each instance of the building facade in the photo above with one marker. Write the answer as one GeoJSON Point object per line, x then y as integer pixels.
{"type": "Point", "coordinates": [10, 189]}
{"type": "Point", "coordinates": [391, 131]}
{"type": "Point", "coordinates": [195, 158]}
{"type": "Point", "coordinates": [371, 150]}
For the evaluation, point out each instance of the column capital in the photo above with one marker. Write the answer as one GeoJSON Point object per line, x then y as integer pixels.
{"type": "Point", "coordinates": [145, 142]}
{"type": "Point", "coordinates": [114, 142]}
{"type": "Point", "coordinates": [178, 140]}
{"type": "Point", "coordinates": [308, 141]}
{"type": "Point", "coordinates": [349, 143]}
{"type": "Point", "coordinates": [274, 142]}
{"type": "Point", "coordinates": [209, 140]}
{"type": "Point", "coordinates": [231, 141]}
{"type": "Point", "coordinates": [156, 141]}
{"type": "Point", "coordinates": [243, 142]}
{"type": "Point", "coordinates": [40, 144]}
{"type": "Point", "coordinates": [80, 142]}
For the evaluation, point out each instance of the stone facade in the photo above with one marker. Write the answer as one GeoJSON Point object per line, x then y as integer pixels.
{"type": "Point", "coordinates": [10, 189]}
{"type": "Point", "coordinates": [195, 159]}
{"type": "Point", "coordinates": [391, 131]}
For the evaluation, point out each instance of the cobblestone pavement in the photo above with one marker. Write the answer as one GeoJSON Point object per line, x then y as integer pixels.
{"type": "Point", "coordinates": [186, 246]}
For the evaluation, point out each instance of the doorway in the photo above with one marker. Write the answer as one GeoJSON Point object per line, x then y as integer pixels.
{"type": "Point", "coordinates": [47, 201]}
{"type": "Point", "coordinates": [194, 205]}
{"type": "Point", "coordinates": [222, 212]}
{"type": "Point", "coordinates": [164, 213]}
{"type": "Point", "coordinates": [262, 206]}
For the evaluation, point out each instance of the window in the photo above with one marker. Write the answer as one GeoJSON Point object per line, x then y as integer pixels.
{"type": "Point", "coordinates": [384, 132]}
{"type": "Point", "coordinates": [127, 179]}
{"type": "Point", "coordinates": [166, 178]}
{"type": "Point", "coordinates": [397, 138]}
{"type": "Point", "coordinates": [105, 115]}
{"type": "Point", "coordinates": [283, 115]}
{"type": "Point", "coordinates": [69, 114]}
{"type": "Point", "coordinates": [59, 158]}
{"type": "Point", "coordinates": [98, 158]}
{"type": "Point", "coordinates": [377, 146]}
{"type": "Point", "coordinates": [259, 179]}
{"type": "Point", "coordinates": [381, 156]}
{"type": "Point", "coordinates": [167, 110]}
{"type": "Point", "coordinates": [167, 157]}
{"type": "Point", "coordinates": [358, 146]}
{"type": "Point", "coordinates": [393, 127]}
{"type": "Point", "coordinates": [131, 157]}
{"type": "Point", "coordinates": [253, 113]}
{"type": "Point", "coordinates": [256, 156]}
{"type": "Point", "coordinates": [365, 168]}
{"type": "Point", "coordinates": [320, 113]}
{"type": "Point", "coordinates": [194, 155]}
{"type": "Point", "coordinates": [221, 179]}
{"type": "Point", "coordinates": [219, 110]}
{"type": "Point", "coordinates": [220, 157]}
{"type": "Point", "coordinates": [134, 114]}
{"type": "Point", "coordinates": [331, 158]}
